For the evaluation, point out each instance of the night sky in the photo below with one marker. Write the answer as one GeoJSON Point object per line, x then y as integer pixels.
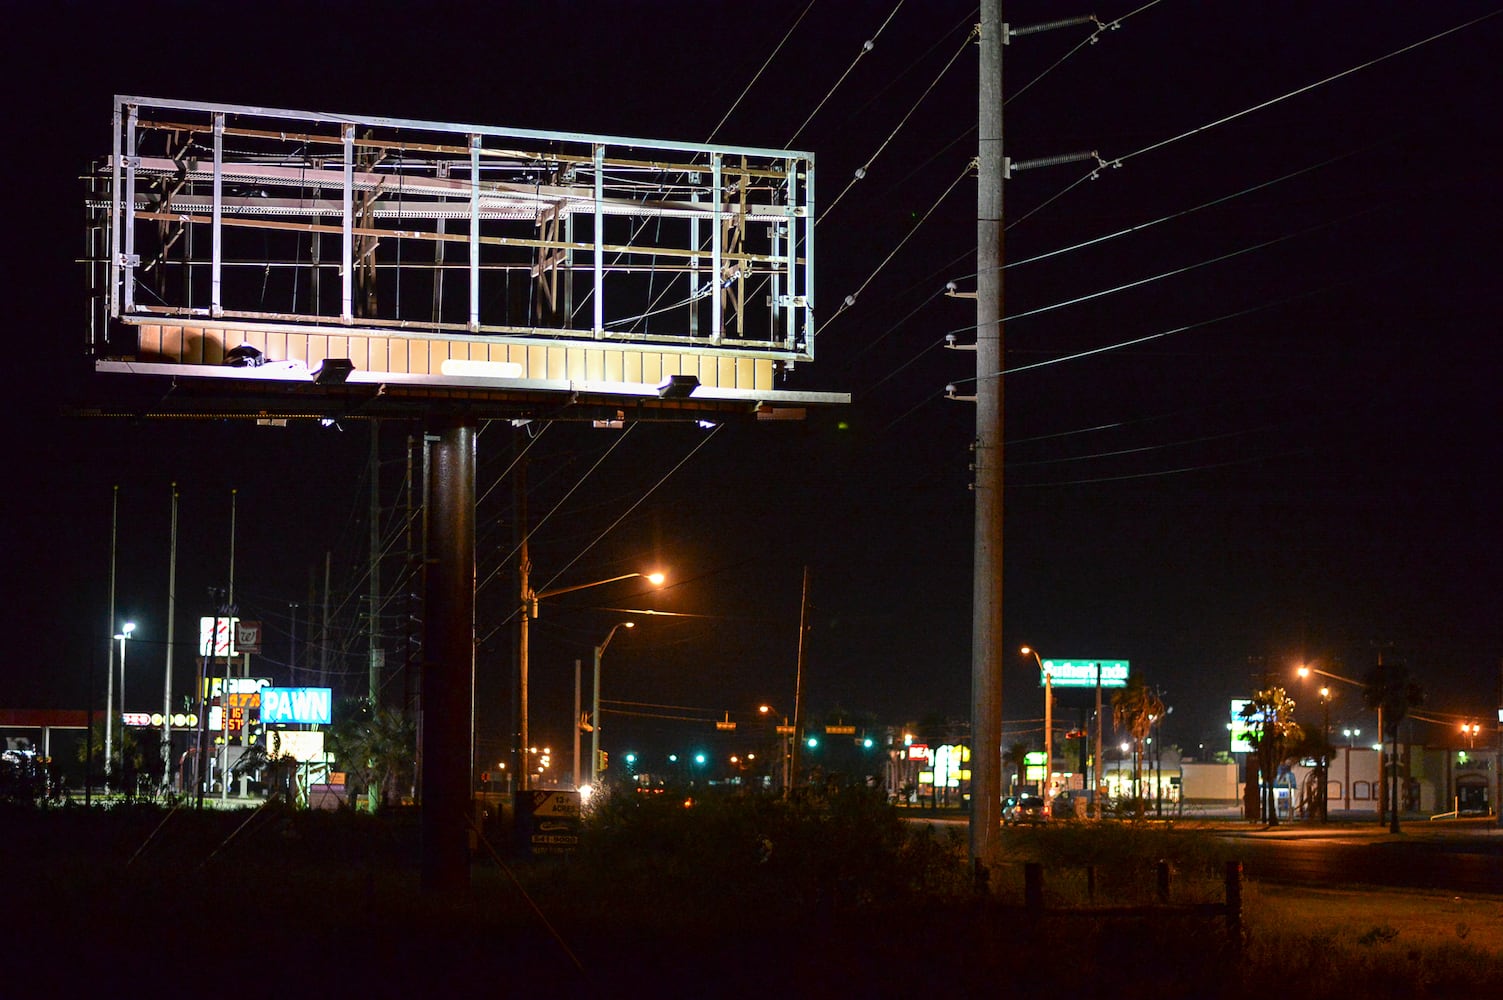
{"type": "Point", "coordinates": [1284, 447]}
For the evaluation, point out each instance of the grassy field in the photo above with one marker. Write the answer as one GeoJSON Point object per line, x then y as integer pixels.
{"type": "Point", "coordinates": [732, 898]}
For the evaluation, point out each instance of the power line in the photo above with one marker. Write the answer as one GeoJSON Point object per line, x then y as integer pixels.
{"type": "Point", "coordinates": [866, 47]}
{"type": "Point", "coordinates": [1307, 87]}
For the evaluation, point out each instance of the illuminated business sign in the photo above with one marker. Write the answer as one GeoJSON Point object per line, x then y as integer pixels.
{"type": "Point", "coordinates": [301, 745]}
{"type": "Point", "coordinates": [228, 636]}
{"type": "Point", "coordinates": [1082, 673]}
{"type": "Point", "coordinates": [306, 706]}
{"type": "Point", "coordinates": [1243, 728]}
{"type": "Point", "coordinates": [235, 700]}
{"type": "Point", "coordinates": [1033, 766]}
{"type": "Point", "coordinates": [950, 765]}
{"type": "Point", "coordinates": [154, 720]}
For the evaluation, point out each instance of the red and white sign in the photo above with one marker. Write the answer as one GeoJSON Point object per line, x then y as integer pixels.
{"type": "Point", "coordinates": [247, 637]}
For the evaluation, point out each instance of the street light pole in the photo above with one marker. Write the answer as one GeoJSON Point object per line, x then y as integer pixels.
{"type": "Point", "coordinates": [1304, 671]}
{"type": "Point", "coordinates": [1047, 786]}
{"type": "Point", "coordinates": [595, 701]}
{"type": "Point", "coordinates": [123, 635]}
{"type": "Point", "coordinates": [1325, 752]}
{"type": "Point", "coordinates": [530, 599]}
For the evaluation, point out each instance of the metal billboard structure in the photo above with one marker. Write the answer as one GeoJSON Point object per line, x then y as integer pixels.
{"type": "Point", "coordinates": [498, 270]}
{"type": "Point", "coordinates": [250, 262]}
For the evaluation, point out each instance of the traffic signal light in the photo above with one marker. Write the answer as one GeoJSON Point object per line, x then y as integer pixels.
{"type": "Point", "coordinates": [602, 758]}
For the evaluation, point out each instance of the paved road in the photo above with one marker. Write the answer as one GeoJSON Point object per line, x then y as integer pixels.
{"type": "Point", "coordinates": [1461, 858]}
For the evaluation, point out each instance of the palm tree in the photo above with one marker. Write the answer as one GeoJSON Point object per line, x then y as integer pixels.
{"type": "Point", "coordinates": [1134, 709]}
{"type": "Point", "coordinates": [378, 746]}
{"type": "Point", "coordinates": [1271, 712]}
{"type": "Point", "coordinates": [1391, 690]}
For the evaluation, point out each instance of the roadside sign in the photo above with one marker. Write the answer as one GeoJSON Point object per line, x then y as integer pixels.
{"type": "Point", "coordinates": [547, 822]}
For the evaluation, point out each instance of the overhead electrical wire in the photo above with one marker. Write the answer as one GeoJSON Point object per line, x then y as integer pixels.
{"type": "Point", "coordinates": [532, 529]}
{"type": "Point", "coordinates": [1118, 161]}
{"type": "Point", "coordinates": [1308, 87]}
{"type": "Point", "coordinates": [608, 529]}
{"type": "Point", "coordinates": [1116, 453]}
{"type": "Point", "coordinates": [1115, 346]}
{"type": "Point", "coordinates": [861, 171]}
{"type": "Point", "coordinates": [892, 81]}
{"type": "Point", "coordinates": [640, 500]}
{"type": "Point", "coordinates": [850, 300]}
{"type": "Point", "coordinates": [756, 76]}
{"type": "Point", "coordinates": [1139, 227]}
{"type": "Point", "coordinates": [866, 47]}
{"type": "Point", "coordinates": [1173, 272]}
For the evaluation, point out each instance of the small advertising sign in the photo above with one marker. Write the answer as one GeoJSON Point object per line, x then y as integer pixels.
{"type": "Point", "coordinates": [547, 822]}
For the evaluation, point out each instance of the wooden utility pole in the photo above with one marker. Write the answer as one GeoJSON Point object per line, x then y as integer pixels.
{"type": "Point", "coordinates": [986, 606]}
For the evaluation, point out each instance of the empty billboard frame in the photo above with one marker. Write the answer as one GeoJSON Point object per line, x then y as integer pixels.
{"type": "Point", "coordinates": [225, 232]}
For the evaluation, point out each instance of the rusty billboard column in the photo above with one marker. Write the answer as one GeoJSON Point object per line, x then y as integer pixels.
{"type": "Point", "coordinates": [448, 660]}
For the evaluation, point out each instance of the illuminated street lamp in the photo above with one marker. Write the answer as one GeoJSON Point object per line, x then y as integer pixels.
{"type": "Point", "coordinates": [530, 600]}
{"type": "Point", "coordinates": [123, 635]}
{"type": "Point", "coordinates": [595, 701]}
{"type": "Point", "coordinates": [1048, 730]}
{"type": "Point", "coordinates": [784, 744]}
{"type": "Point", "coordinates": [1306, 670]}
{"type": "Point", "coordinates": [1325, 755]}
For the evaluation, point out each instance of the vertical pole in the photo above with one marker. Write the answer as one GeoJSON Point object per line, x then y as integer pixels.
{"type": "Point", "coordinates": [216, 235]}
{"type": "Point", "coordinates": [798, 684]}
{"type": "Point", "coordinates": [109, 680]}
{"type": "Point", "coordinates": [229, 659]}
{"type": "Point", "coordinates": [347, 224]}
{"type": "Point", "coordinates": [528, 601]}
{"type": "Point", "coordinates": [167, 667]}
{"type": "Point", "coordinates": [577, 721]}
{"type": "Point", "coordinates": [1048, 742]}
{"type": "Point", "coordinates": [373, 649]}
{"type": "Point", "coordinates": [597, 323]}
{"type": "Point", "coordinates": [595, 713]}
{"type": "Point", "coordinates": [1233, 883]}
{"type": "Point", "coordinates": [986, 599]}
{"type": "Point", "coordinates": [119, 200]}
{"type": "Point", "coordinates": [128, 202]}
{"type": "Point", "coordinates": [1100, 784]}
{"type": "Point", "coordinates": [323, 635]}
{"type": "Point", "coordinates": [474, 233]}
{"type": "Point", "coordinates": [449, 662]}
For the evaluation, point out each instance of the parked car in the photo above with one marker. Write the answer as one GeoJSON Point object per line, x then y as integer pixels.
{"type": "Point", "coordinates": [1023, 809]}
